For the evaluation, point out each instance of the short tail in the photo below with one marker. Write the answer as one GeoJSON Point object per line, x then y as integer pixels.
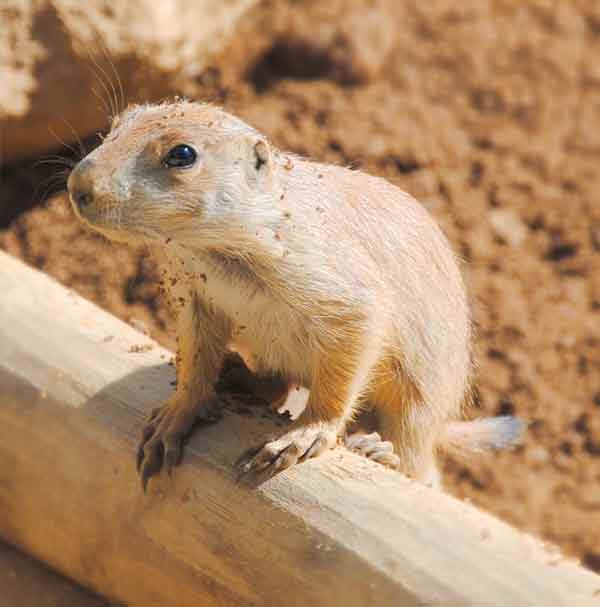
{"type": "Point", "coordinates": [485, 434]}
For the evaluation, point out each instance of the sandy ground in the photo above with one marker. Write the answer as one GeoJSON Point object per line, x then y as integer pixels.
{"type": "Point", "coordinates": [489, 113]}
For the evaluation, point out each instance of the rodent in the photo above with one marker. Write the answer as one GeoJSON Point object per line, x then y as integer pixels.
{"type": "Point", "coordinates": [329, 278]}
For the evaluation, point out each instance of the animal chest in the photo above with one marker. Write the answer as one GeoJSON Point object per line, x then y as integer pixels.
{"type": "Point", "coordinates": [275, 334]}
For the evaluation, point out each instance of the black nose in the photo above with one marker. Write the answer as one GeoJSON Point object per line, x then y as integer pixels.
{"type": "Point", "coordinates": [81, 183]}
{"type": "Point", "coordinates": [81, 199]}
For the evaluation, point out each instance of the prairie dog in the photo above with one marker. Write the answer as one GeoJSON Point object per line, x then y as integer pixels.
{"type": "Point", "coordinates": [326, 277]}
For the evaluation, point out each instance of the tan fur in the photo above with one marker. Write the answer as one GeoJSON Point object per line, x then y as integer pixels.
{"type": "Point", "coordinates": [331, 278]}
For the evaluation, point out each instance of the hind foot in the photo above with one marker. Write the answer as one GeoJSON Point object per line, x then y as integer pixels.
{"type": "Point", "coordinates": [371, 446]}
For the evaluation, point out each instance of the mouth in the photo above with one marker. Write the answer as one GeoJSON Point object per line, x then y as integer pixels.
{"type": "Point", "coordinates": [97, 212]}
{"type": "Point", "coordinates": [110, 215]}
{"type": "Point", "coordinates": [107, 219]}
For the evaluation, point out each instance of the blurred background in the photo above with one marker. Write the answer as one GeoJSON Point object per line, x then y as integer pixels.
{"type": "Point", "coordinates": [488, 111]}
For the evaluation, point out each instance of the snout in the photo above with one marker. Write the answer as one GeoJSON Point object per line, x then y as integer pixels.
{"type": "Point", "coordinates": [81, 185]}
{"type": "Point", "coordinates": [98, 200]}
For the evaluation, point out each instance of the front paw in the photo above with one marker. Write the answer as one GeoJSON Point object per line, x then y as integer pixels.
{"type": "Point", "coordinates": [164, 434]}
{"type": "Point", "coordinates": [296, 446]}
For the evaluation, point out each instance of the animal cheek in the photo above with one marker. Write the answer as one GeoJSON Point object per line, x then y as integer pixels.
{"type": "Point", "coordinates": [123, 190]}
{"type": "Point", "coordinates": [209, 203]}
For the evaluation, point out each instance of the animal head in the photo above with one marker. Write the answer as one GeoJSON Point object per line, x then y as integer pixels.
{"type": "Point", "coordinates": [176, 170]}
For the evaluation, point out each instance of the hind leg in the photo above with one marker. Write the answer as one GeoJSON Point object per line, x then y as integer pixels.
{"type": "Point", "coordinates": [409, 424]}
{"type": "Point", "coordinates": [414, 444]}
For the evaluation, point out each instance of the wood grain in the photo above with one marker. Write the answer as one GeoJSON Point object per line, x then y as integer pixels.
{"type": "Point", "coordinates": [339, 530]}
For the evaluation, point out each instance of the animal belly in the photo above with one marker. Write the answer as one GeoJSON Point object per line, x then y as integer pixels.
{"type": "Point", "coordinates": [274, 352]}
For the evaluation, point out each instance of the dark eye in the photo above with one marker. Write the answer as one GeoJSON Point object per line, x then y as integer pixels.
{"type": "Point", "coordinates": [180, 156]}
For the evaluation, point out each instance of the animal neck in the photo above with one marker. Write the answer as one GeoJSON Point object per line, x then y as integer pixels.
{"type": "Point", "coordinates": [243, 267]}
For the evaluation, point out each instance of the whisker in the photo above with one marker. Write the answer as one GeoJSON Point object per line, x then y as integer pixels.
{"type": "Point", "coordinates": [97, 45]}
{"type": "Point", "coordinates": [112, 93]}
{"type": "Point", "coordinates": [121, 99]}
{"type": "Point", "coordinates": [53, 133]}
{"type": "Point", "coordinates": [82, 149]}
{"type": "Point", "coordinates": [106, 98]}
{"type": "Point", "coordinates": [51, 185]}
{"type": "Point", "coordinates": [60, 162]}
{"type": "Point", "coordinates": [99, 97]}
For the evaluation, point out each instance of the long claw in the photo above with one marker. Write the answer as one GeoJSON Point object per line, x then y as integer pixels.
{"type": "Point", "coordinates": [161, 442]}
{"type": "Point", "coordinates": [172, 457]}
{"type": "Point", "coordinates": [285, 452]}
{"type": "Point", "coordinates": [152, 464]}
{"type": "Point", "coordinates": [286, 458]}
{"type": "Point", "coordinates": [154, 414]}
{"type": "Point", "coordinates": [244, 463]}
{"type": "Point", "coordinates": [319, 446]}
{"type": "Point", "coordinates": [147, 432]}
{"type": "Point", "coordinates": [144, 481]}
{"type": "Point", "coordinates": [139, 458]}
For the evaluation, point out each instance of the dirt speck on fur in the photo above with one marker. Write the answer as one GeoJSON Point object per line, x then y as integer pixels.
{"type": "Point", "coordinates": [137, 348]}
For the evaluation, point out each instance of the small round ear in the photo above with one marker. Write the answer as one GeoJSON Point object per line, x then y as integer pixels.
{"type": "Point", "coordinates": [262, 154]}
{"type": "Point", "coordinates": [259, 152]}
{"type": "Point", "coordinates": [260, 161]}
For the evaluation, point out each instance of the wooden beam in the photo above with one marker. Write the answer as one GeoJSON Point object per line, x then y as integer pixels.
{"type": "Point", "coordinates": [339, 530]}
